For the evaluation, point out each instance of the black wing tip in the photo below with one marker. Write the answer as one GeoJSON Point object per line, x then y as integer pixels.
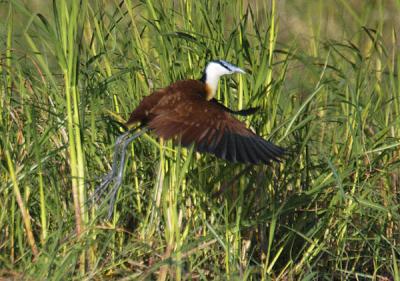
{"type": "Point", "coordinates": [271, 150]}
{"type": "Point", "coordinates": [236, 148]}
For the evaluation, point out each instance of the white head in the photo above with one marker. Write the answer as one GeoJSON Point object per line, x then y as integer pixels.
{"type": "Point", "coordinates": [213, 71]}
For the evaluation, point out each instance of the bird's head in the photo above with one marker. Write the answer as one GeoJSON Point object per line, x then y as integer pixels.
{"type": "Point", "coordinates": [213, 71]}
{"type": "Point", "coordinates": [217, 68]}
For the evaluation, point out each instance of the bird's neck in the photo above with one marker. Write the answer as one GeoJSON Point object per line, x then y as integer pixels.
{"type": "Point", "coordinates": [211, 82]}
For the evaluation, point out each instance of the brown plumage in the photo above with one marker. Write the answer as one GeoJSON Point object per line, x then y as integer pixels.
{"type": "Point", "coordinates": [183, 112]}
{"type": "Point", "coordinates": [187, 113]}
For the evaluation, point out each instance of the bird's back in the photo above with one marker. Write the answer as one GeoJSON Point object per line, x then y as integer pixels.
{"type": "Point", "coordinates": [165, 99]}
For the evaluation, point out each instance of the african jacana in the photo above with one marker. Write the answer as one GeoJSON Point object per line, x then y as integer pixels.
{"type": "Point", "coordinates": [187, 112]}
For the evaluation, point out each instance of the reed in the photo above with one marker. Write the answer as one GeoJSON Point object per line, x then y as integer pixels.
{"type": "Point", "coordinates": [325, 74]}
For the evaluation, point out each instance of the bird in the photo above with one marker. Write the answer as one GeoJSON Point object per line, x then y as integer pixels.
{"type": "Point", "coordinates": [188, 113]}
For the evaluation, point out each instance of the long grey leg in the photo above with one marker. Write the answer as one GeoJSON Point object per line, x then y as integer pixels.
{"type": "Point", "coordinates": [98, 192]}
{"type": "Point", "coordinates": [118, 176]}
{"type": "Point", "coordinates": [117, 168]}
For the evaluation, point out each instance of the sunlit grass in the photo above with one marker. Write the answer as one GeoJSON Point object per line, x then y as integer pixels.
{"type": "Point", "coordinates": [325, 74]}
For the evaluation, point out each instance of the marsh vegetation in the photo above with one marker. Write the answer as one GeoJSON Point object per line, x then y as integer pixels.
{"type": "Point", "coordinates": [325, 74]}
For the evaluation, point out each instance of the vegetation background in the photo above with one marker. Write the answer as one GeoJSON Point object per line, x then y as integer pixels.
{"type": "Point", "coordinates": [326, 75]}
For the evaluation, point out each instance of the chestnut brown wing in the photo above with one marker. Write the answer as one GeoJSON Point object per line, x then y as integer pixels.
{"type": "Point", "coordinates": [197, 121]}
{"type": "Point", "coordinates": [142, 113]}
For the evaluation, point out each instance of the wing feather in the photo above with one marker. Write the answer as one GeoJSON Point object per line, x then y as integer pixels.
{"type": "Point", "coordinates": [197, 121]}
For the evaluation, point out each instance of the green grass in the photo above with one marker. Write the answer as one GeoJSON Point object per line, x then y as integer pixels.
{"type": "Point", "coordinates": [325, 74]}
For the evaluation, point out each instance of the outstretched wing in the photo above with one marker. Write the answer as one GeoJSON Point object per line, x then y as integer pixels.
{"type": "Point", "coordinates": [197, 121]}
